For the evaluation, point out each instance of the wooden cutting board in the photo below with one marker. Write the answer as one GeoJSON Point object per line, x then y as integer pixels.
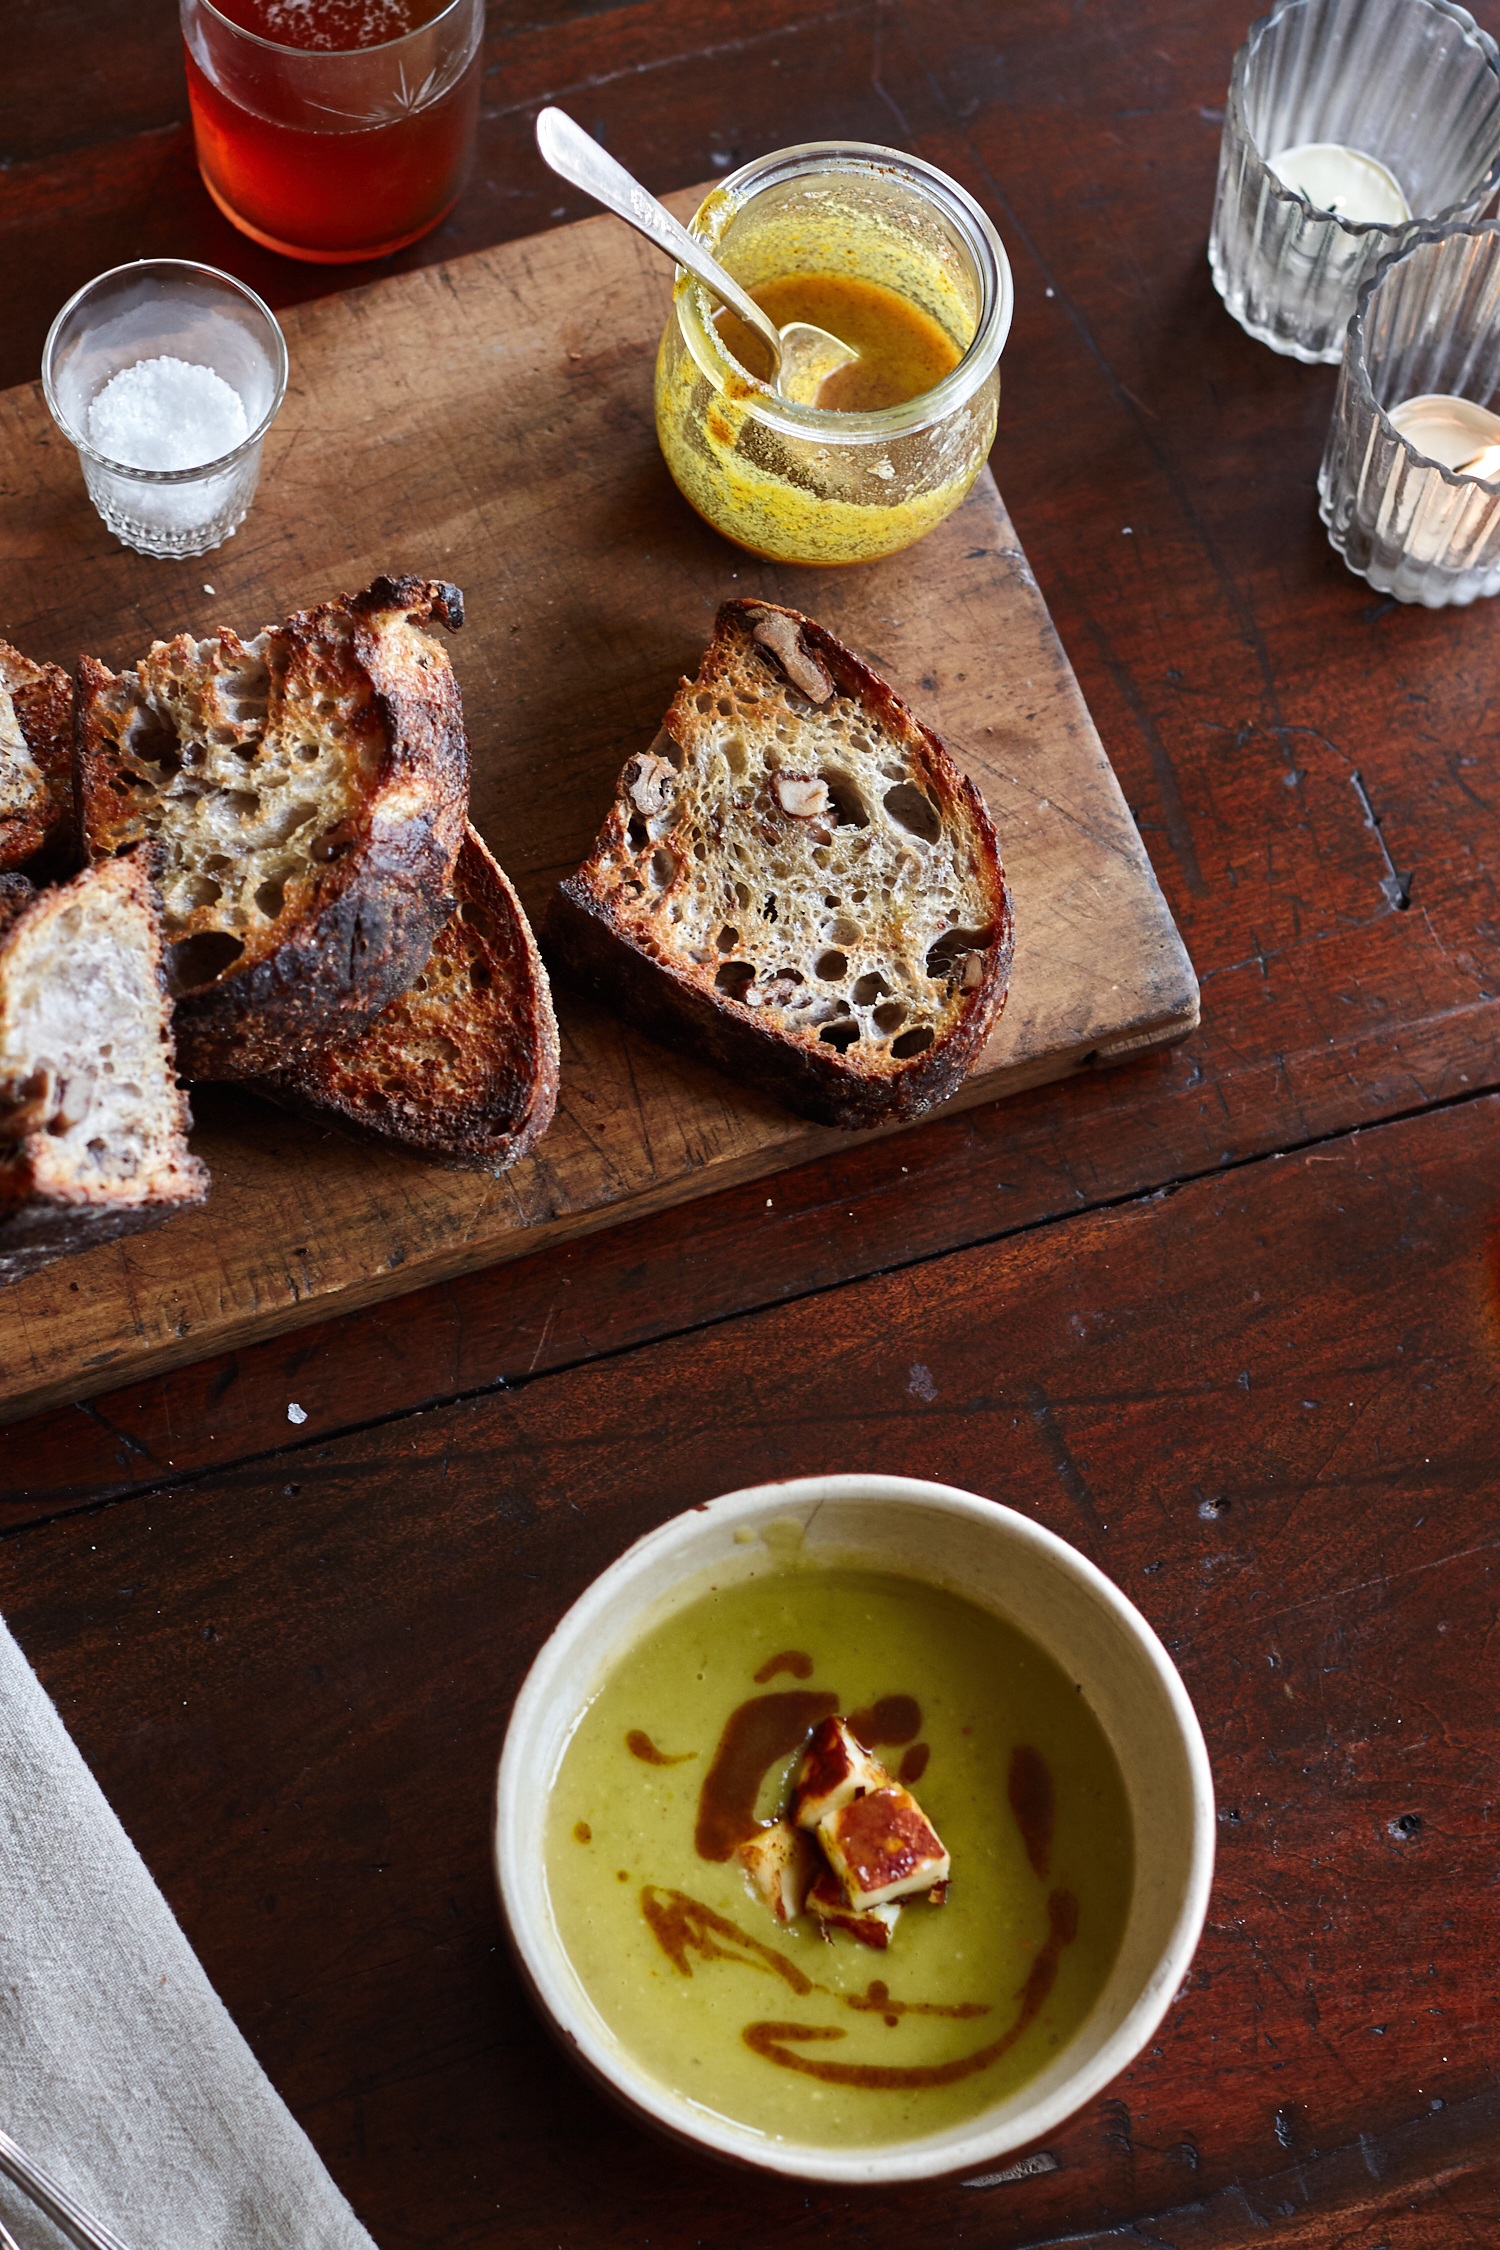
{"type": "Point", "coordinates": [490, 421]}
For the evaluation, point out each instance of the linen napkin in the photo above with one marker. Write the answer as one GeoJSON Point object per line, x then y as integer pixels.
{"type": "Point", "coordinates": [121, 2073]}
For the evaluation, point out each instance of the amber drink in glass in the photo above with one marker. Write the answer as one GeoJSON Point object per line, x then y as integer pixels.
{"type": "Point", "coordinates": [334, 130]}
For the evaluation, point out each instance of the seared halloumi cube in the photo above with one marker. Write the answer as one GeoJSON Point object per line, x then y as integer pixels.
{"type": "Point", "coordinates": [835, 1769]}
{"type": "Point", "coordinates": [882, 1847]}
{"type": "Point", "coordinates": [871, 1925]}
{"type": "Point", "coordinates": [779, 1862]}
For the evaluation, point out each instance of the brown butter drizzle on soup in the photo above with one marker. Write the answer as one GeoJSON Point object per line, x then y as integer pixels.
{"type": "Point", "coordinates": [1019, 1782]}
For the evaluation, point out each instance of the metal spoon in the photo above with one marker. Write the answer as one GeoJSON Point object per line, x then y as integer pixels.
{"type": "Point", "coordinates": [801, 354]}
{"type": "Point", "coordinates": [80, 2227]}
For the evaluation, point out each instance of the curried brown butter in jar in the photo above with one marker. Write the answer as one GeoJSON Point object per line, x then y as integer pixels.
{"type": "Point", "coordinates": [895, 258]}
{"type": "Point", "coordinates": [902, 352]}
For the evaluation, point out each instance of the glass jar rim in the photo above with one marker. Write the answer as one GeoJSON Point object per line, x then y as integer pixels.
{"type": "Point", "coordinates": [280, 365]}
{"type": "Point", "coordinates": [328, 54]}
{"type": "Point", "coordinates": [1394, 229]}
{"type": "Point", "coordinates": [1357, 370]}
{"type": "Point", "coordinates": [850, 159]}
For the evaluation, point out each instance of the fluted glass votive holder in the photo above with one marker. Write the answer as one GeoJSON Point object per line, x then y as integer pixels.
{"type": "Point", "coordinates": [1410, 482]}
{"type": "Point", "coordinates": [1348, 123]}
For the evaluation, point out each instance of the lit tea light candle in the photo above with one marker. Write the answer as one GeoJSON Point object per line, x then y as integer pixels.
{"type": "Point", "coordinates": [1454, 431]}
{"type": "Point", "coordinates": [1428, 515]}
{"type": "Point", "coordinates": [1343, 181]}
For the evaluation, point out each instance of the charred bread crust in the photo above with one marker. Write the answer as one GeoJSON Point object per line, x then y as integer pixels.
{"type": "Point", "coordinates": [16, 893]}
{"type": "Point", "coordinates": [637, 925]}
{"type": "Point", "coordinates": [37, 824]}
{"type": "Point", "coordinates": [463, 1068]}
{"type": "Point", "coordinates": [79, 1163]}
{"type": "Point", "coordinates": [369, 698]}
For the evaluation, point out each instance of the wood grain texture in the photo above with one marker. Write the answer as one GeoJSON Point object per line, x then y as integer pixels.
{"type": "Point", "coordinates": [1348, 939]}
{"type": "Point", "coordinates": [1266, 1405]}
{"type": "Point", "coordinates": [490, 422]}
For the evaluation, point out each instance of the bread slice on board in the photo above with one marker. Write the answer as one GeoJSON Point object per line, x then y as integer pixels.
{"type": "Point", "coordinates": [463, 1066]}
{"type": "Point", "coordinates": [93, 1124]}
{"type": "Point", "coordinates": [796, 883]}
{"type": "Point", "coordinates": [36, 764]}
{"type": "Point", "coordinates": [307, 791]}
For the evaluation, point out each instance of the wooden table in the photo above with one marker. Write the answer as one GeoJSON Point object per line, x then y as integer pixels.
{"type": "Point", "coordinates": [1226, 1318]}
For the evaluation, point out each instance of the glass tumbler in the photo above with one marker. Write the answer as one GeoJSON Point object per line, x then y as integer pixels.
{"type": "Point", "coordinates": [802, 483]}
{"type": "Point", "coordinates": [166, 309]}
{"type": "Point", "coordinates": [332, 154]}
{"type": "Point", "coordinates": [1427, 324]}
{"type": "Point", "coordinates": [1414, 84]}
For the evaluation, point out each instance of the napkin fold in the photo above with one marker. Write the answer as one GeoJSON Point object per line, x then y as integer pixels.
{"type": "Point", "coordinates": [121, 2073]}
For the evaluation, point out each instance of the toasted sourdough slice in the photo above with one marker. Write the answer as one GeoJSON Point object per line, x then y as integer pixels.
{"type": "Point", "coordinates": [796, 883]}
{"type": "Point", "coordinates": [308, 792]}
{"type": "Point", "coordinates": [463, 1066]}
{"type": "Point", "coordinates": [36, 762]}
{"type": "Point", "coordinates": [93, 1125]}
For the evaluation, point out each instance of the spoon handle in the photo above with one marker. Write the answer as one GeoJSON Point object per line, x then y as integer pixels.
{"type": "Point", "coordinates": [584, 164]}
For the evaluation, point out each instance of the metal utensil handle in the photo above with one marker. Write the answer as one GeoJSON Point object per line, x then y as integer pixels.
{"type": "Point", "coordinates": [88, 2233]}
{"type": "Point", "coordinates": [584, 164]}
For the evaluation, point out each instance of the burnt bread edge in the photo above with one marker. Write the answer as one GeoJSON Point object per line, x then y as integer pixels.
{"type": "Point", "coordinates": [387, 894]}
{"type": "Point", "coordinates": [581, 937]}
{"type": "Point", "coordinates": [458, 1141]}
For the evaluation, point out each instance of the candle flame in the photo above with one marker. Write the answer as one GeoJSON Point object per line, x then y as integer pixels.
{"type": "Point", "coordinates": [1484, 465]}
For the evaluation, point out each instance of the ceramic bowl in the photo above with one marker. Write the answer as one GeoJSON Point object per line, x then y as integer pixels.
{"type": "Point", "coordinates": [996, 1558]}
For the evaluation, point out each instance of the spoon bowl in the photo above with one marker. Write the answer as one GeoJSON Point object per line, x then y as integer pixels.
{"type": "Point", "coordinates": [803, 356]}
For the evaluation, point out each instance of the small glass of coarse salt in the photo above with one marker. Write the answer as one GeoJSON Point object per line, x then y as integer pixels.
{"type": "Point", "coordinates": [166, 376]}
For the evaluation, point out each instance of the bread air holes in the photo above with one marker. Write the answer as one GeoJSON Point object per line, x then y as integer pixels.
{"type": "Point", "coordinates": [270, 896]}
{"type": "Point", "coordinates": [841, 1036]}
{"type": "Point", "coordinates": [734, 978]}
{"type": "Point", "coordinates": [848, 802]}
{"type": "Point", "coordinates": [288, 821]}
{"type": "Point", "coordinates": [949, 952]}
{"type": "Point", "coordinates": [913, 811]}
{"type": "Point", "coordinates": [727, 939]}
{"type": "Point", "coordinates": [914, 1042]}
{"type": "Point", "coordinates": [201, 959]}
{"type": "Point", "coordinates": [663, 868]}
{"type": "Point", "coordinates": [831, 966]}
{"type": "Point", "coordinates": [246, 696]}
{"type": "Point", "coordinates": [478, 919]}
{"type": "Point", "coordinates": [152, 741]}
{"type": "Point", "coordinates": [869, 989]}
{"type": "Point", "coordinates": [889, 1016]}
{"type": "Point", "coordinates": [638, 833]}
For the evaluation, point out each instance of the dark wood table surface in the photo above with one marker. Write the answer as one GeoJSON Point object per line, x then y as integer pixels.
{"type": "Point", "coordinates": [1226, 1319]}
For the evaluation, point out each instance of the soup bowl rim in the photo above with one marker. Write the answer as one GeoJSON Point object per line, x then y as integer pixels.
{"type": "Point", "coordinates": [572, 1664]}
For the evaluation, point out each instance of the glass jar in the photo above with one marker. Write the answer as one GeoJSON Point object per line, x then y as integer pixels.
{"type": "Point", "coordinates": [800, 483]}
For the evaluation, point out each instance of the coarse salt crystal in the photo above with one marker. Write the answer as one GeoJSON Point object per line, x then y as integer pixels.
{"type": "Point", "coordinates": [166, 413]}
